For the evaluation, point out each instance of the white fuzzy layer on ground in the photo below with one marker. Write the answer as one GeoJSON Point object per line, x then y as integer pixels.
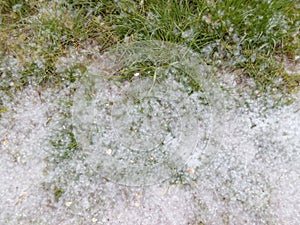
{"type": "Point", "coordinates": [248, 173]}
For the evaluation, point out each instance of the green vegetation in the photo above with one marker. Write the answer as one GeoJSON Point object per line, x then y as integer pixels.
{"type": "Point", "coordinates": [66, 145]}
{"type": "Point", "coordinates": [57, 192]}
{"type": "Point", "coordinates": [3, 109]}
{"type": "Point", "coordinates": [249, 37]}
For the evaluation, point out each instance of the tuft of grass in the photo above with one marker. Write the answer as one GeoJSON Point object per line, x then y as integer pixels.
{"type": "Point", "coordinates": [231, 34]}
{"type": "Point", "coordinates": [3, 109]}
{"type": "Point", "coordinates": [65, 145]}
{"type": "Point", "coordinates": [15, 10]}
{"type": "Point", "coordinates": [37, 38]}
{"type": "Point", "coordinates": [57, 193]}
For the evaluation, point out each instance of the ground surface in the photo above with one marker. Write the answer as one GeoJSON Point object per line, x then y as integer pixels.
{"type": "Point", "coordinates": [145, 151]}
{"type": "Point", "coordinates": [149, 112]}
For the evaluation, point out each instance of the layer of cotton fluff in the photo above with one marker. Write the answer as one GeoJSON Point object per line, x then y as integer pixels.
{"type": "Point", "coordinates": [247, 174]}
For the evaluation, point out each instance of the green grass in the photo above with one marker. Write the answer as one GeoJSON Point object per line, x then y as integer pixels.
{"type": "Point", "coordinates": [149, 68]}
{"type": "Point", "coordinates": [57, 193]}
{"type": "Point", "coordinates": [66, 145]}
{"type": "Point", "coordinates": [246, 36]}
{"type": "Point", "coordinates": [36, 39]}
{"type": "Point", "coordinates": [230, 34]}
